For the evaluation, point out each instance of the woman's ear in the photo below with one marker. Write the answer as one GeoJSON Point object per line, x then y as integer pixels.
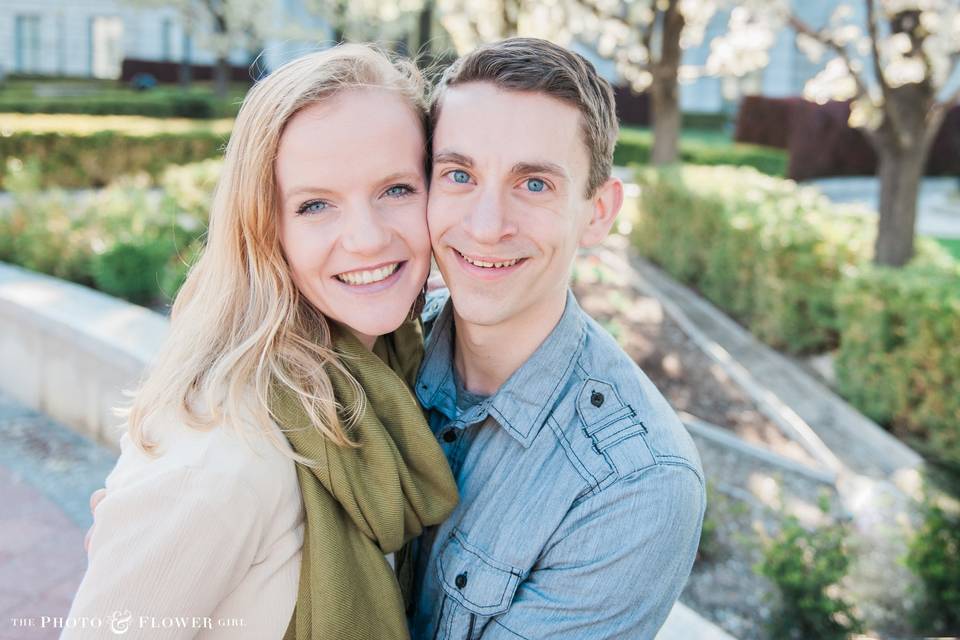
{"type": "Point", "coordinates": [606, 203]}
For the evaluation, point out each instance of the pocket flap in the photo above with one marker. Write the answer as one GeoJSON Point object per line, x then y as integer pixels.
{"type": "Point", "coordinates": [475, 580]}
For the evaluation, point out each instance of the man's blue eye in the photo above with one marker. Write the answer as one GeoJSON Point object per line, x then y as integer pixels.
{"type": "Point", "coordinates": [535, 185]}
{"type": "Point", "coordinates": [315, 206]}
{"type": "Point", "coordinates": [460, 177]}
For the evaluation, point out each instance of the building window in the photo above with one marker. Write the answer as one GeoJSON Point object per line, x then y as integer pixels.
{"type": "Point", "coordinates": [26, 38]}
{"type": "Point", "coordinates": [106, 46]}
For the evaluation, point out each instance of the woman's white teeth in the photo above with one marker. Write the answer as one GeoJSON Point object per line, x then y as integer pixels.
{"type": "Point", "coordinates": [368, 277]}
{"type": "Point", "coordinates": [491, 265]}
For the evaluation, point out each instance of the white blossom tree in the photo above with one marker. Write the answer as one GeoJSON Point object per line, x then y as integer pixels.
{"type": "Point", "coordinates": [647, 39]}
{"type": "Point", "coordinates": [894, 59]}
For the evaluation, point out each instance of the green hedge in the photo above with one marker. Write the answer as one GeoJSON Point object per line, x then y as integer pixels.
{"type": "Point", "coordinates": [764, 250]}
{"type": "Point", "coordinates": [157, 106]}
{"type": "Point", "coordinates": [796, 270]}
{"type": "Point", "coordinates": [899, 356]}
{"type": "Point", "coordinates": [79, 158]}
{"type": "Point", "coordinates": [701, 148]}
{"type": "Point", "coordinates": [128, 240]}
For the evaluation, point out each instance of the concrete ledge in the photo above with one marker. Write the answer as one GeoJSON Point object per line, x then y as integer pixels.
{"type": "Point", "coordinates": [69, 352]}
{"type": "Point", "coordinates": [684, 623]}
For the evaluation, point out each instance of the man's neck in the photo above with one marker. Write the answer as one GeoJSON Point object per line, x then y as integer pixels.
{"type": "Point", "coordinates": [486, 356]}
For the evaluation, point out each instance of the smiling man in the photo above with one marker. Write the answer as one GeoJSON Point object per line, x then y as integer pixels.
{"type": "Point", "coordinates": [582, 496]}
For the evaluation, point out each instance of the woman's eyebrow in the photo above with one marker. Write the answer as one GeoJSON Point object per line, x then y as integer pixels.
{"type": "Point", "coordinates": [408, 176]}
{"type": "Point", "coordinates": [305, 190]}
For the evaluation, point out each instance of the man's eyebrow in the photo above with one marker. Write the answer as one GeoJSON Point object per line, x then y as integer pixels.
{"type": "Point", "coordinates": [452, 157]}
{"type": "Point", "coordinates": [524, 168]}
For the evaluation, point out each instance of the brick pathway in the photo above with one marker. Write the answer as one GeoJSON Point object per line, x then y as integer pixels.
{"type": "Point", "coordinates": [47, 473]}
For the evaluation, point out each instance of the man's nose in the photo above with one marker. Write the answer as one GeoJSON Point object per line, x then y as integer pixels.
{"type": "Point", "coordinates": [489, 221]}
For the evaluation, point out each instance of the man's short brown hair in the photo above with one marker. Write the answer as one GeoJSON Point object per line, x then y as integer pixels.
{"type": "Point", "coordinates": [531, 64]}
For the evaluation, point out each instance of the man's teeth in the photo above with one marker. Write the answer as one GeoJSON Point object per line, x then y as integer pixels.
{"type": "Point", "coordinates": [491, 265]}
{"type": "Point", "coordinates": [368, 277]}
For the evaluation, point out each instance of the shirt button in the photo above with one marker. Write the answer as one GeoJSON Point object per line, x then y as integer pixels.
{"type": "Point", "coordinates": [449, 435]}
{"type": "Point", "coordinates": [461, 580]}
{"type": "Point", "coordinates": [596, 398]}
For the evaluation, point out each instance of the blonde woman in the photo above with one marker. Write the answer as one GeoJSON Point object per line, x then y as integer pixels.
{"type": "Point", "coordinates": [287, 368]}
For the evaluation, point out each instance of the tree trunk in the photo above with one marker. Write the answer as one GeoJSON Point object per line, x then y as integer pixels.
{"type": "Point", "coordinates": [911, 120]}
{"type": "Point", "coordinates": [900, 173]}
{"type": "Point", "coordinates": [665, 89]}
{"type": "Point", "coordinates": [185, 71]}
{"type": "Point", "coordinates": [221, 77]}
{"type": "Point", "coordinates": [509, 16]}
{"type": "Point", "coordinates": [666, 121]}
{"type": "Point", "coordinates": [339, 21]}
{"type": "Point", "coordinates": [425, 30]}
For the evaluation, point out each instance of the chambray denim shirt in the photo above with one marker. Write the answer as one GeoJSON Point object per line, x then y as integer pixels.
{"type": "Point", "coordinates": [581, 496]}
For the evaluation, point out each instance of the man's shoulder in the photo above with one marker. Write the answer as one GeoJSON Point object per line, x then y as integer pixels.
{"type": "Point", "coordinates": [436, 300]}
{"type": "Point", "coordinates": [617, 414]}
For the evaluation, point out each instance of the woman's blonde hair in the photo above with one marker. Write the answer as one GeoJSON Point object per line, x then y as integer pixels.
{"type": "Point", "coordinates": [239, 323]}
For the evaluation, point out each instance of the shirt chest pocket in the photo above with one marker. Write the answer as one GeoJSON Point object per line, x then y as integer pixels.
{"type": "Point", "coordinates": [476, 588]}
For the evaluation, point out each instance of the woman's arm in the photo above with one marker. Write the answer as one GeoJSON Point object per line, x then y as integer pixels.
{"type": "Point", "coordinates": [170, 546]}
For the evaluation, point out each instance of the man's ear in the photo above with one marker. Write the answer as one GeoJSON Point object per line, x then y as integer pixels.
{"type": "Point", "coordinates": [606, 204]}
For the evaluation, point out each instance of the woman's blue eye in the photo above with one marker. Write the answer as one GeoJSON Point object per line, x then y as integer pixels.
{"type": "Point", "coordinates": [460, 177]}
{"type": "Point", "coordinates": [535, 185]}
{"type": "Point", "coordinates": [314, 206]}
{"type": "Point", "coordinates": [399, 190]}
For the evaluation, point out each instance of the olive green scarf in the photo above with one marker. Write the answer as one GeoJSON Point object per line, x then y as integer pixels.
{"type": "Point", "coordinates": [362, 503]}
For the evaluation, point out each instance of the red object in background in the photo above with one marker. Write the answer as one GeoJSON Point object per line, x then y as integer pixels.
{"type": "Point", "coordinates": [822, 144]}
{"type": "Point", "coordinates": [169, 72]}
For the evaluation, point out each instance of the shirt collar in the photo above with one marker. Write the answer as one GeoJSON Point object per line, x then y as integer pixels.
{"type": "Point", "coordinates": [522, 403]}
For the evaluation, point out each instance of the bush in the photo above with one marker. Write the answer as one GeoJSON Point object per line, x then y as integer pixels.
{"type": "Point", "coordinates": [806, 566]}
{"type": "Point", "coordinates": [127, 239]}
{"type": "Point", "coordinates": [934, 556]}
{"type": "Point", "coordinates": [132, 269]}
{"type": "Point", "coordinates": [701, 148]}
{"type": "Point", "coordinates": [81, 155]}
{"type": "Point", "coordinates": [766, 251]}
{"type": "Point", "coordinates": [795, 270]}
{"type": "Point", "coordinates": [898, 361]}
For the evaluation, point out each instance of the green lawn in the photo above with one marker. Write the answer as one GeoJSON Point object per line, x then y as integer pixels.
{"type": "Point", "coordinates": [701, 146]}
{"type": "Point", "coordinates": [952, 245]}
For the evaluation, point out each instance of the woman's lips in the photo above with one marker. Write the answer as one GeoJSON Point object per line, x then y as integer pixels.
{"type": "Point", "coordinates": [371, 280]}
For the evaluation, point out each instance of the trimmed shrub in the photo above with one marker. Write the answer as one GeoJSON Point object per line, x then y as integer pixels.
{"type": "Point", "coordinates": [898, 360]}
{"type": "Point", "coordinates": [701, 148]}
{"type": "Point", "coordinates": [82, 156]}
{"type": "Point", "coordinates": [127, 240]}
{"type": "Point", "coordinates": [765, 250]}
{"type": "Point", "coordinates": [131, 269]}
{"type": "Point", "coordinates": [795, 269]}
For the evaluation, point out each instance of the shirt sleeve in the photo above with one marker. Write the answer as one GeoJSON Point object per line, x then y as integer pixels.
{"type": "Point", "coordinates": [173, 546]}
{"type": "Point", "coordinates": [616, 565]}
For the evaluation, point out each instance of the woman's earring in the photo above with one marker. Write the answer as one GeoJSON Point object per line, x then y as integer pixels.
{"type": "Point", "coordinates": [419, 303]}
